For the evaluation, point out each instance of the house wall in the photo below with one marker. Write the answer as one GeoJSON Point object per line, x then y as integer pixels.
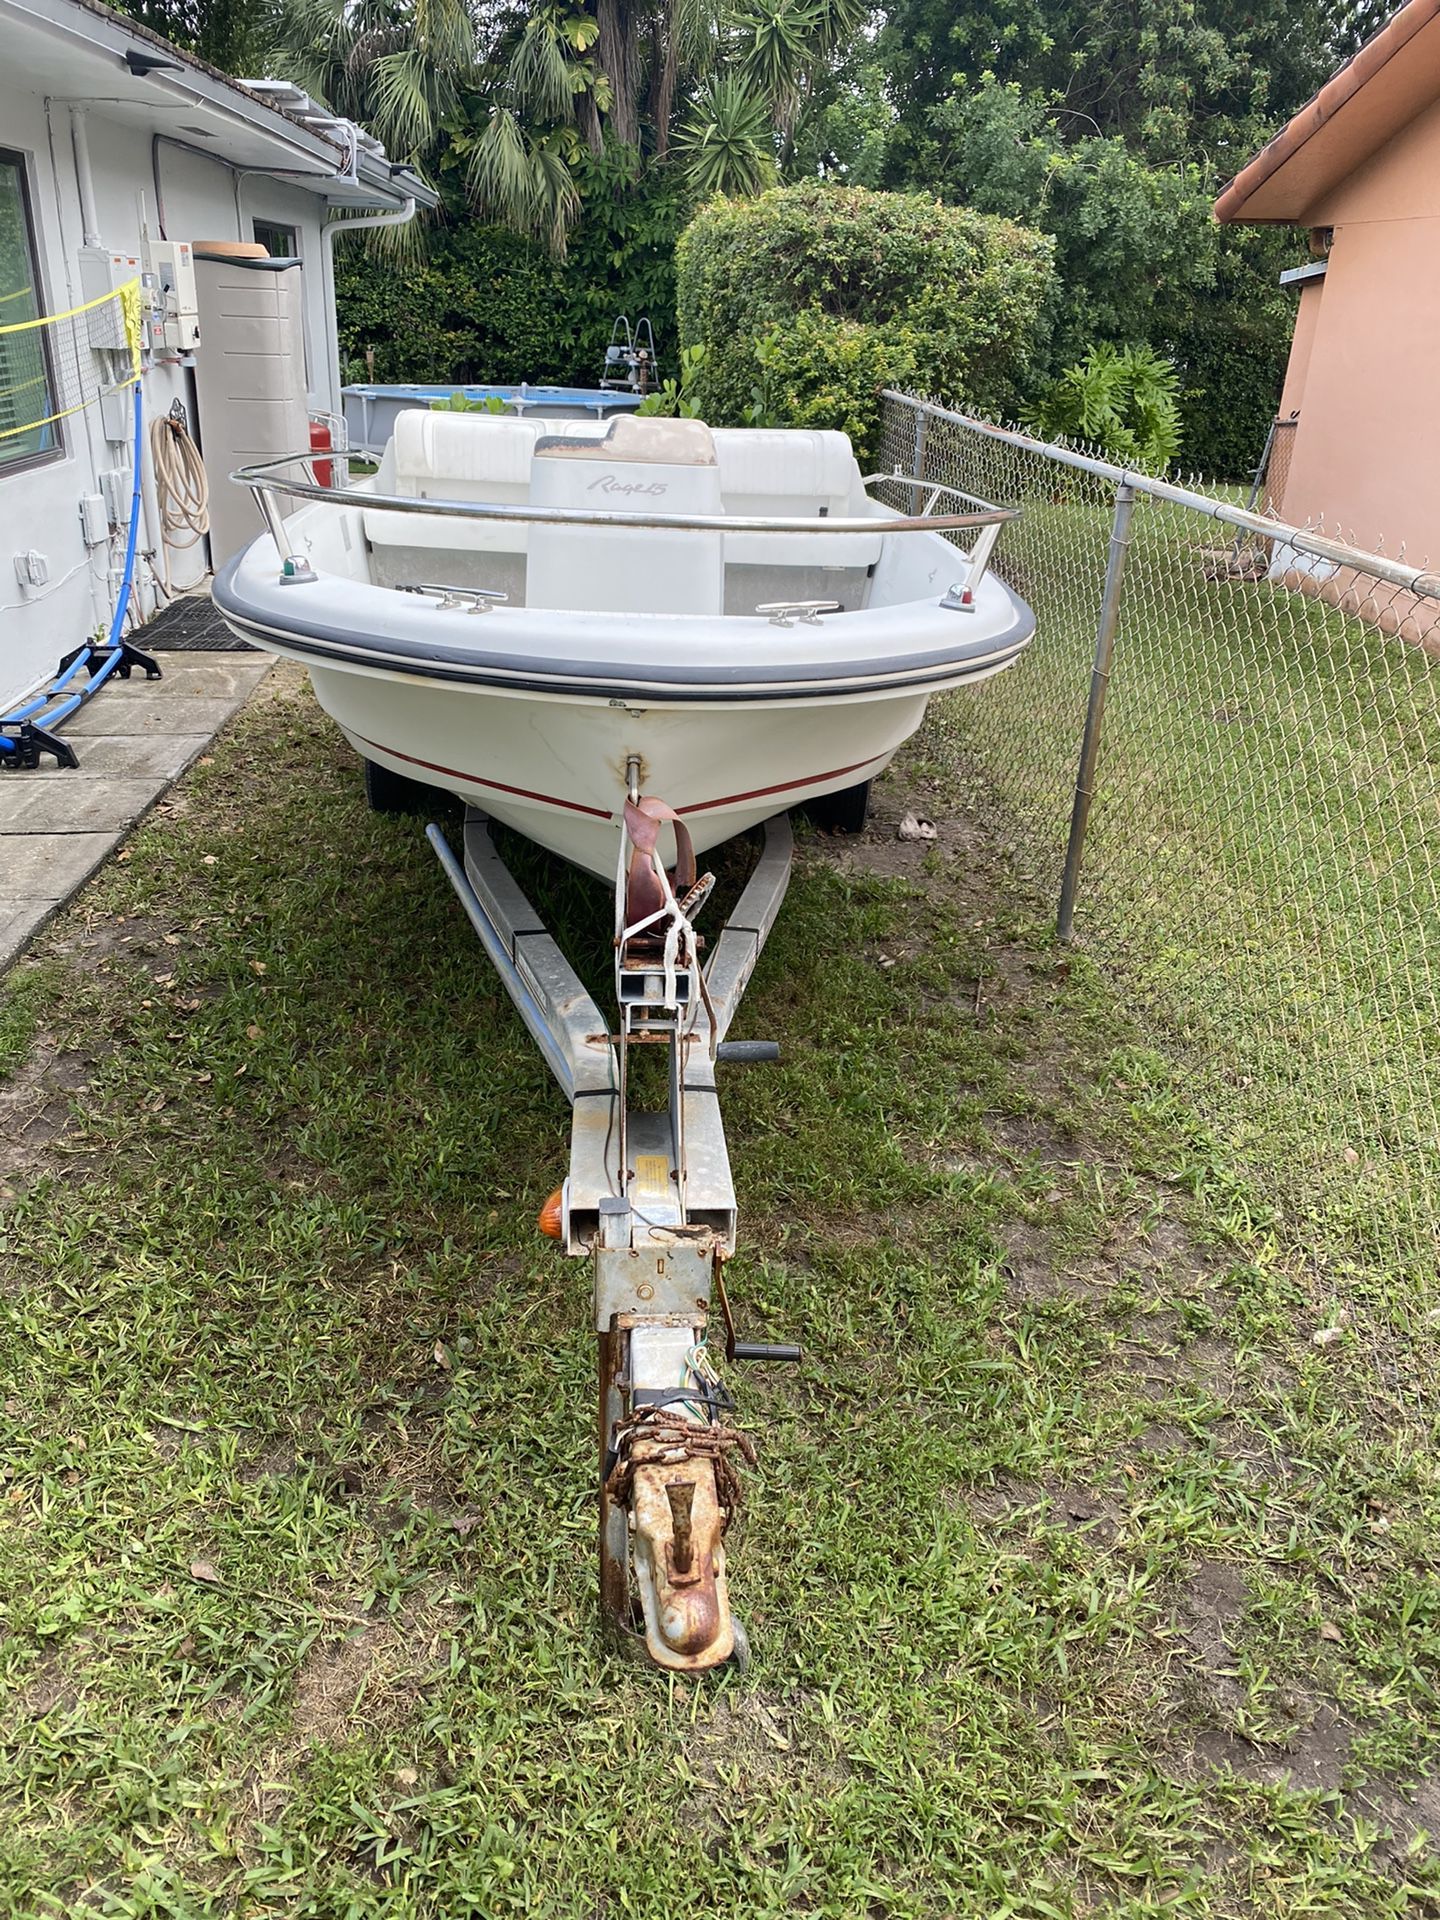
{"type": "Point", "coordinates": [1302, 345]}
{"type": "Point", "coordinates": [1366, 457]}
{"type": "Point", "coordinates": [39, 507]}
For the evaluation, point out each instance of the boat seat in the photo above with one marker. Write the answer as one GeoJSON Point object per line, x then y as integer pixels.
{"type": "Point", "coordinates": [628, 465]}
{"type": "Point", "coordinates": [793, 473]}
{"type": "Point", "coordinates": [455, 456]}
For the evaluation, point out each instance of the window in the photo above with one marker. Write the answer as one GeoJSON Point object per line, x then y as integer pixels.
{"type": "Point", "coordinates": [281, 243]}
{"type": "Point", "coordinates": [27, 383]}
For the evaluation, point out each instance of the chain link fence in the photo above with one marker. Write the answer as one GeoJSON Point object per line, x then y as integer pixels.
{"type": "Point", "coordinates": [1274, 474]}
{"type": "Point", "coordinates": [1261, 827]}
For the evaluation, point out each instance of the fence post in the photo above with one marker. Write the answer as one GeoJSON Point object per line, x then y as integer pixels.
{"type": "Point", "coordinates": [918, 469]}
{"type": "Point", "coordinates": [1095, 711]}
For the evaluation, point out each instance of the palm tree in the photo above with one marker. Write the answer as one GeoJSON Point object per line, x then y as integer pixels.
{"type": "Point", "coordinates": [726, 144]}
{"type": "Point", "coordinates": [517, 92]}
{"type": "Point", "coordinates": [397, 69]}
{"type": "Point", "coordinates": [544, 94]}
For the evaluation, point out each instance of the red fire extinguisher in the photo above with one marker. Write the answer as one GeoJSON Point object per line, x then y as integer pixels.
{"type": "Point", "coordinates": [321, 442]}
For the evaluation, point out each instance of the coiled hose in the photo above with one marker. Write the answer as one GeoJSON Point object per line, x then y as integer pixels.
{"type": "Point", "coordinates": [182, 487]}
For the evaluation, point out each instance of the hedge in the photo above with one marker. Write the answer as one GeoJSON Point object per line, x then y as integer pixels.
{"type": "Point", "coordinates": [486, 305]}
{"type": "Point", "coordinates": [809, 298]}
{"type": "Point", "coordinates": [483, 305]}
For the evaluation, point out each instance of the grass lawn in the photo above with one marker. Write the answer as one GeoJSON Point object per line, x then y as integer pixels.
{"type": "Point", "coordinates": [1081, 1578]}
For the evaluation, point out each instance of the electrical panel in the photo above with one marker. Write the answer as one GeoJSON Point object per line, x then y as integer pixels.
{"type": "Point", "coordinates": [103, 272]}
{"type": "Point", "coordinates": [169, 315]}
{"type": "Point", "coordinates": [94, 520]}
{"type": "Point", "coordinates": [173, 264]}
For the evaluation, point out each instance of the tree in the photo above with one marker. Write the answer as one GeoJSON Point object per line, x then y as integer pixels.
{"type": "Point", "coordinates": [503, 100]}
{"type": "Point", "coordinates": [1140, 258]}
{"type": "Point", "coordinates": [1112, 127]}
{"type": "Point", "coordinates": [1176, 79]}
{"type": "Point", "coordinates": [230, 34]}
{"type": "Point", "coordinates": [395, 70]}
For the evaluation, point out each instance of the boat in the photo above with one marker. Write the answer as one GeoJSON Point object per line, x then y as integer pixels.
{"type": "Point", "coordinates": [631, 640]}
{"type": "Point", "coordinates": [513, 610]}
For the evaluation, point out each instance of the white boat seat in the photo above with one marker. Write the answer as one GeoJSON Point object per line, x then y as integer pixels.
{"type": "Point", "coordinates": [454, 456]}
{"type": "Point", "coordinates": [491, 458]}
{"type": "Point", "coordinates": [628, 465]}
{"type": "Point", "coordinates": [792, 473]}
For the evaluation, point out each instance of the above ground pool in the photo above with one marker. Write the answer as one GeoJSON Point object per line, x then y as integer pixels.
{"type": "Point", "coordinates": [370, 411]}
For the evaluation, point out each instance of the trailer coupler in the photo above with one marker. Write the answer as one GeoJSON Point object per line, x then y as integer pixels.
{"type": "Point", "coordinates": [677, 1483]}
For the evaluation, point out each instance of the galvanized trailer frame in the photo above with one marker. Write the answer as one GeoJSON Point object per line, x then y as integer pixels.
{"type": "Point", "coordinates": [649, 1200]}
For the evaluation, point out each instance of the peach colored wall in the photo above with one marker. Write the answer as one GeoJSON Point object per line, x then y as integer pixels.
{"type": "Point", "coordinates": [1366, 456]}
{"type": "Point", "coordinates": [1307, 320]}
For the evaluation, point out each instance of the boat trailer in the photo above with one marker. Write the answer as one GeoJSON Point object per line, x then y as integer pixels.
{"type": "Point", "coordinates": [650, 1203]}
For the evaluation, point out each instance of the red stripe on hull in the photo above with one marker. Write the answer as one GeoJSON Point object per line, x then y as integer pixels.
{"type": "Point", "coordinates": [496, 786]}
{"type": "Point", "coordinates": [596, 813]}
{"type": "Point", "coordinates": [785, 786]}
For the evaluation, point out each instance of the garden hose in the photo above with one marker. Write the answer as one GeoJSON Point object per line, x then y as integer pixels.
{"type": "Point", "coordinates": [182, 486]}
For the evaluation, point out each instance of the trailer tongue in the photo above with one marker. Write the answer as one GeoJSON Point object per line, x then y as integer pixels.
{"type": "Point", "coordinates": [650, 1203]}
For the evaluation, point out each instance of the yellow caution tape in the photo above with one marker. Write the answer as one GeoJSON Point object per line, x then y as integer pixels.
{"type": "Point", "coordinates": [128, 298]}
{"type": "Point", "coordinates": [121, 386]}
{"type": "Point", "coordinates": [129, 291]}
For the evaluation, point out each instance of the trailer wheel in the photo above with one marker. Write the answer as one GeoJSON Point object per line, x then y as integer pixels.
{"type": "Point", "coordinates": [843, 812]}
{"type": "Point", "coordinates": [389, 792]}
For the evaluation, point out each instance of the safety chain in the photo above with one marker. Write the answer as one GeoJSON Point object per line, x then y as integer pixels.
{"type": "Point", "coordinates": [669, 1439]}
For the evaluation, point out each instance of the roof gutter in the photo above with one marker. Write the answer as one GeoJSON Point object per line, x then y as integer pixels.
{"type": "Point", "coordinates": [78, 23]}
{"type": "Point", "coordinates": [1337, 92]}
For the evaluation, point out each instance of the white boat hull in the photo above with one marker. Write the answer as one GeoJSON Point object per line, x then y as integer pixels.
{"type": "Point", "coordinates": [554, 768]}
{"type": "Point", "coordinates": [707, 649]}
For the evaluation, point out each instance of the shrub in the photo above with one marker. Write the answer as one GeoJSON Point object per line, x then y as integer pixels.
{"type": "Point", "coordinates": [462, 403]}
{"type": "Point", "coordinates": [676, 397]}
{"type": "Point", "coordinates": [1125, 401]}
{"type": "Point", "coordinates": [817, 371]}
{"type": "Point", "coordinates": [820, 294]}
{"type": "Point", "coordinates": [484, 306]}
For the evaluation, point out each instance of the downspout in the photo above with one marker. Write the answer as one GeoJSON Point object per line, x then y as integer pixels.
{"type": "Point", "coordinates": [80, 139]}
{"type": "Point", "coordinates": [399, 218]}
{"type": "Point", "coordinates": [100, 600]}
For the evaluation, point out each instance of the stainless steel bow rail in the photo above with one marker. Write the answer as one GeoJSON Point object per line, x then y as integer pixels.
{"type": "Point", "coordinates": [269, 480]}
{"type": "Point", "coordinates": [650, 1203]}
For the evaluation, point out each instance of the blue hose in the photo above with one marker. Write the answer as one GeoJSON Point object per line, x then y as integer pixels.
{"type": "Point", "coordinates": [113, 642]}
{"type": "Point", "coordinates": [124, 600]}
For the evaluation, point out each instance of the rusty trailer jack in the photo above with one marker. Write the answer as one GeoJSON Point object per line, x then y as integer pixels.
{"type": "Point", "coordinates": [650, 1202]}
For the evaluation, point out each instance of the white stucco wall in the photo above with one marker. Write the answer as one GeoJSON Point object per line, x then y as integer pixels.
{"type": "Point", "coordinates": [39, 507]}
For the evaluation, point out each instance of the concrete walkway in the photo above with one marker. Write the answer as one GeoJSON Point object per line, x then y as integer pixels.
{"type": "Point", "coordinates": [134, 739]}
